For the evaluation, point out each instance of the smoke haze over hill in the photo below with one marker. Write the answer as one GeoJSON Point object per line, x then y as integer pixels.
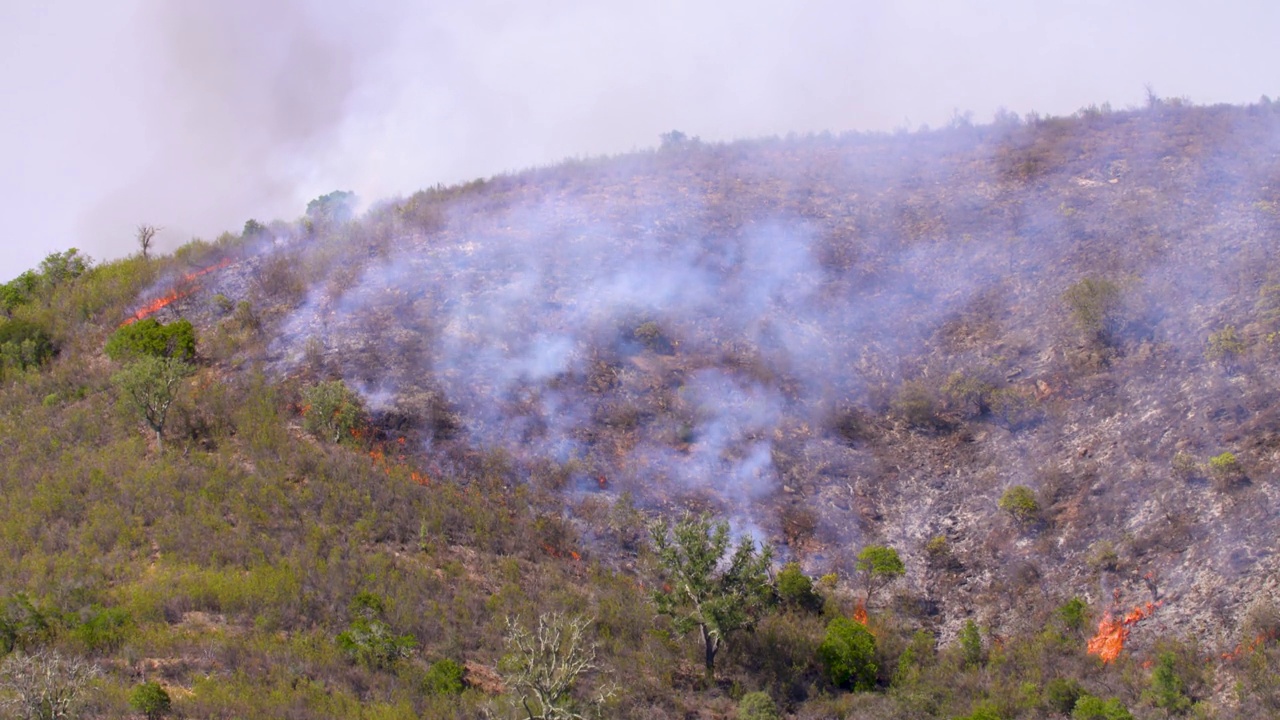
{"type": "Point", "coordinates": [196, 116]}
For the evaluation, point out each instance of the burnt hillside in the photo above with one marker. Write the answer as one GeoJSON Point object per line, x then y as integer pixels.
{"type": "Point", "coordinates": [1038, 358]}
{"type": "Point", "coordinates": [839, 340]}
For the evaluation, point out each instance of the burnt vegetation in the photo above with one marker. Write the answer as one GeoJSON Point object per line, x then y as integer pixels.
{"type": "Point", "coordinates": [998, 402]}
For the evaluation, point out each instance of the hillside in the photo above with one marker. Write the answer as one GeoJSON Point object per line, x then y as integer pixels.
{"type": "Point", "coordinates": [1036, 358]}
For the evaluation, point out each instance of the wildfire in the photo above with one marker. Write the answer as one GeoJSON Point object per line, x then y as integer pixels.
{"type": "Point", "coordinates": [1243, 649]}
{"type": "Point", "coordinates": [860, 613]}
{"type": "Point", "coordinates": [1113, 632]}
{"type": "Point", "coordinates": [184, 288]}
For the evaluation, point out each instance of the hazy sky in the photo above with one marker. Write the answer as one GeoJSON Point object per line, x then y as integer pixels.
{"type": "Point", "coordinates": [199, 115]}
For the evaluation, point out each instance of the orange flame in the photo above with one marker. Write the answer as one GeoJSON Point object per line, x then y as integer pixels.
{"type": "Point", "coordinates": [1113, 632]}
{"type": "Point", "coordinates": [860, 613]}
{"type": "Point", "coordinates": [1243, 649]}
{"type": "Point", "coordinates": [158, 304]}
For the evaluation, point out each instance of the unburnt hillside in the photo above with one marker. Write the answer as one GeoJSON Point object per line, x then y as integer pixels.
{"type": "Point", "coordinates": [1037, 358]}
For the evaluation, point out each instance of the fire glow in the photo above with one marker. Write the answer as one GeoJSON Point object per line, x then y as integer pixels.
{"type": "Point", "coordinates": [181, 290]}
{"type": "Point", "coordinates": [1113, 631]}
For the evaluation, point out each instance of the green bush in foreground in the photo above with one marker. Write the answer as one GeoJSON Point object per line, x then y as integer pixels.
{"type": "Point", "coordinates": [150, 338]}
{"type": "Point", "coordinates": [848, 654]}
{"type": "Point", "coordinates": [1020, 502]}
{"type": "Point", "coordinates": [757, 706]}
{"type": "Point", "coordinates": [444, 677]}
{"type": "Point", "coordinates": [151, 700]}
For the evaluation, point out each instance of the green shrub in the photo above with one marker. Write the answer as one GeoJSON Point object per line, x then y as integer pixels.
{"type": "Point", "coordinates": [23, 626]}
{"type": "Point", "coordinates": [938, 552]}
{"type": "Point", "coordinates": [369, 640]}
{"type": "Point", "coordinates": [150, 699]}
{"type": "Point", "coordinates": [757, 706]}
{"type": "Point", "coordinates": [970, 640]}
{"type": "Point", "coordinates": [1225, 345]}
{"type": "Point", "coordinates": [1020, 502]}
{"type": "Point", "coordinates": [916, 403]}
{"type": "Point", "coordinates": [796, 589]}
{"type": "Point", "coordinates": [1061, 694]}
{"type": "Point", "coordinates": [1073, 614]}
{"type": "Point", "coordinates": [24, 345]}
{"type": "Point", "coordinates": [444, 677]}
{"type": "Point", "coordinates": [1184, 466]}
{"type": "Point", "coordinates": [150, 338]}
{"type": "Point", "coordinates": [1226, 469]}
{"type": "Point", "coordinates": [983, 710]}
{"type": "Point", "coordinates": [1167, 690]}
{"type": "Point", "coordinates": [104, 629]}
{"type": "Point", "coordinates": [1095, 305]}
{"type": "Point", "coordinates": [848, 655]}
{"type": "Point", "coordinates": [967, 395]}
{"type": "Point", "coordinates": [333, 412]}
{"type": "Point", "coordinates": [1089, 707]}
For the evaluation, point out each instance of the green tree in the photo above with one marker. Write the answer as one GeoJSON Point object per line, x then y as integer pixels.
{"type": "Point", "coordinates": [18, 291]}
{"type": "Point", "coordinates": [335, 207]}
{"type": "Point", "coordinates": [151, 338]}
{"type": "Point", "coordinates": [150, 385]}
{"type": "Point", "coordinates": [709, 588]}
{"type": "Point", "coordinates": [332, 411]}
{"type": "Point", "coordinates": [878, 565]}
{"type": "Point", "coordinates": [796, 589]}
{"type": "Point", "coordinates": [59, 268]}
{"type": "Point", "coordinates": [23, 345]}
{"type": "Point", "coordinates": [848, 654]}
{"type": "Point", "coordinates": [150, 699]}
{"type": "Point", "coordinates": [543, 666]}
{"type": "Point", "coordinates": [970, 644]}
{"type": "Point", "coordinates": [1168, 690]}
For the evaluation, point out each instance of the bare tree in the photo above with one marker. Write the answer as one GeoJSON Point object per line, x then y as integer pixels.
{"type": "Point", "coordinates": [542, 666]}
{"type": "Point", "coordinates": [146, 233]}
{"type": "Point", "coordinates": [44, 685]}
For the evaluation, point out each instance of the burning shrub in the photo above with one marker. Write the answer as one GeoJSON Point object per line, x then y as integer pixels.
{"type": "Point", "coordinates": [848, 655]}
{"type": "Point", "coordinates": [1020, 502]}
{"type": "Point", "coordinates": [333, 411]}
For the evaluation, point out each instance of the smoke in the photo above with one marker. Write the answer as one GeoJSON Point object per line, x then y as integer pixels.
{"type": "Point", "coordinates": [197, 116]}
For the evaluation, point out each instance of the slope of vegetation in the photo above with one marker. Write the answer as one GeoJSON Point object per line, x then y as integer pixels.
{"type": "Point", "coordinates": [995, 401]}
